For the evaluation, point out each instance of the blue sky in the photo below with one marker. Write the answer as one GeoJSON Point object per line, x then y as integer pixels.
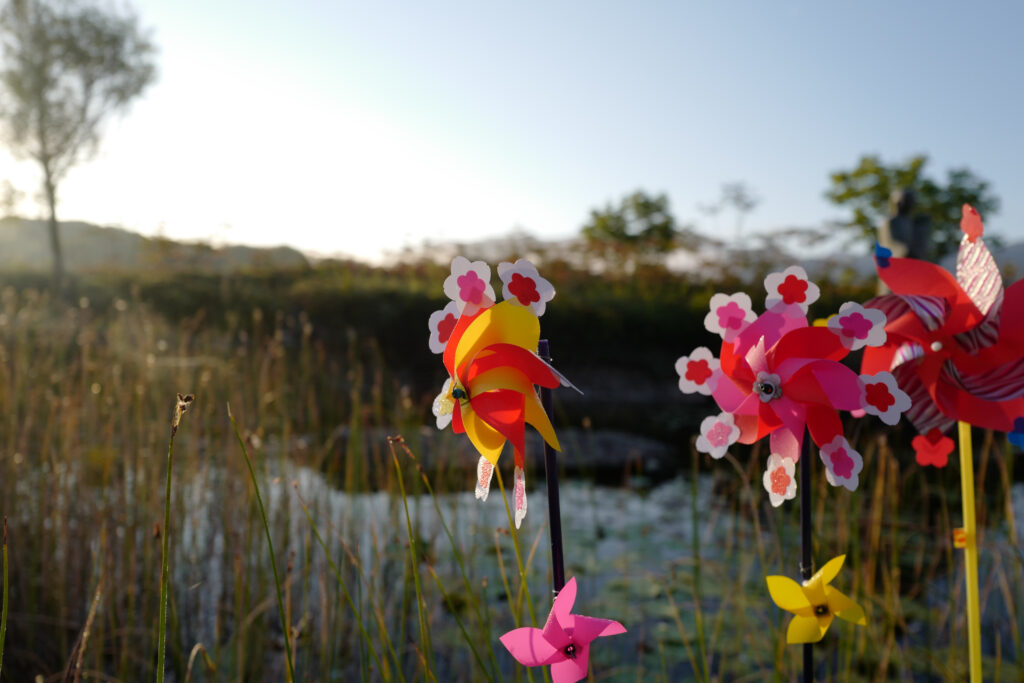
{"type": "Point", "coordinates": [359, 127]}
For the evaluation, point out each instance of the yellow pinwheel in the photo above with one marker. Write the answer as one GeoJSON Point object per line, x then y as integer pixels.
{"type": "Point", "coordinates": [814, 603]}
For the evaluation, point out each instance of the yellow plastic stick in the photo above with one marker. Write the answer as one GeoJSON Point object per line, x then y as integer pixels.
{"type": "Point", "coordinates": [970, 546]}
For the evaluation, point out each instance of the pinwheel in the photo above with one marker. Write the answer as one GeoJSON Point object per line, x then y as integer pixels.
{"type": "Point", "coordinates": [815, 603]}
{"type": "Point", "coordinates": [778, 377]}
{"type": "Point", "coordinates": [489, 351]}
{"type": "Point", "coordinates": [956, 346]}
{"type": "Point", "coordinates": [564, 642]}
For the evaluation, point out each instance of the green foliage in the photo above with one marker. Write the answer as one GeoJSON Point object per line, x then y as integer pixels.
{"type": "Point", "coordinates": [641, 229]}
{"type": "Point", "coordinates": [67, 66]}
{"type": "Point", "coordinates": [867, 188]}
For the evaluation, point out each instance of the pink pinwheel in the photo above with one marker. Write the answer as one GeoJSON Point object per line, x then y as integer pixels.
{"type": "Point", "coordinates": [778, 377]}
{"type": "Point", "coordinates": [564, 642]}
{"type": "Point", "coordinates": [956, 345]}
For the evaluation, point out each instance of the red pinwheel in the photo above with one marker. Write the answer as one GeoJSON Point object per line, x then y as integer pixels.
{"type": "Point", "coordinates": [955, 345]}
{"type": "Point", "coordinates": [776, 377]}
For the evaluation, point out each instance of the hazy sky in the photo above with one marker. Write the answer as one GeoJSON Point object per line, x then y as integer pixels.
{"type": "Point", "coordinates": [357, 127]}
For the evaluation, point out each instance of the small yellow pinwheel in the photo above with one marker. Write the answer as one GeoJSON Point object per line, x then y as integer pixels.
{"type": "Point", "coordinates": [814, 603]}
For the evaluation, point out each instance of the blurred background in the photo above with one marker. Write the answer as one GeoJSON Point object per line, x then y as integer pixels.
{"type": "Point", "coordinates": [258, 202]}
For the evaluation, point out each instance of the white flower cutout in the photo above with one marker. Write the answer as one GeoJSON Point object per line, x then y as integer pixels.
{"type": "Point", "coordinates": [442, 323]}
{"type": "Point", "coordinates": [444, 405]}
{"type": "Point", "coordinates": [730, 313]}
{"type": "Point", "coordinates": [842, 463]}
{"type": "Point", "coordinates": [779, 479]}
{"type": "Point", "coordinates": [790, 288]}
{"type": "Point", "coordinates": [698, 372]}
{"type": "Point", "coordinates": [469, 284]}
{"type": "Point", "coordinates": [717, 433]}
{"type": "Point", "coordinates": [858, 326]}
{"type": "Point", "coordinates": [522, 283]}
{"type": "Point", "coordinates": [880, 396]}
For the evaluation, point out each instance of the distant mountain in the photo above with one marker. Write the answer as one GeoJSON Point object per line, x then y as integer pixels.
{"type": "Point", "coordinates": [25, 245]}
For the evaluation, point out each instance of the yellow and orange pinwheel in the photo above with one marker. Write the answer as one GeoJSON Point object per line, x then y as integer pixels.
{"type": "Point", "coordinates": [489, 351]}
{"type": "Point", "coordinates": [815, 603]}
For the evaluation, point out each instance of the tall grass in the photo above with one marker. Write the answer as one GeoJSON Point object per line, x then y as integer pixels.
{"type": "Point", "coordinates": [396, 573]}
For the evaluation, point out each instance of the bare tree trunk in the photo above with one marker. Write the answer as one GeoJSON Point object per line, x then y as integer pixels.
{"type": "Point", "coordinates": [54, 230]}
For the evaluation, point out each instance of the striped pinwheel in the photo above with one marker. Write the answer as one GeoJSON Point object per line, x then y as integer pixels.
{"type": "Point", "coordinates": [954, 344]}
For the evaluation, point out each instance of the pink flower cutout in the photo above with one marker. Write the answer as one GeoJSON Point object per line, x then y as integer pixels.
{"type": "Point", "coordinates": [522, 283]}
{"type": "Point", "coordinates": [842, 463]}
{"type": "Point", "coordinates": [780, 479]}
{"type": "Point", "coordinates": [698, 372]}
{"type": "Point", "coordinates": [881, 397]}
{"type": "Point", "coordinates": [858, 327]}
{"type": "Point", "coordinates": [729, 315]}
{"type": "Point", "coordinates": [469, 284]}
{"type": "Point", "coordinates": [790, 288]}
{"type": "Point", "coordinates": [564, 642]}
{"type": "Point", "coordinates": [717, 433]}
{"type": "Point", "coordinates": [442, 323]}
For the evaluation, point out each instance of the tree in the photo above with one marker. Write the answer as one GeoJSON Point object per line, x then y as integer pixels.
{"type": "Point", "coordinates": [640, 230]}
{"type": "Point", "coordinates": [67, 67]}
{"type": "Point", "coordinates": [867, 189]}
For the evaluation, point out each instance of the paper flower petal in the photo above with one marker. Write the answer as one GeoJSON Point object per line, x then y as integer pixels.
{"type": "Point", "coordinates": [791, 287]}
{"type": "Point", "coordinates": [857, 326]}
{"type": "Point", "coordinates": [717, 433]}
{"type": "Point", "coordinates": [444, 405]}
{"type": "Point", "coordinates": [442, 324]}
{"type": "Point", "coordinates": [698, 372]}
{"type": "Point", "coordinates": [970, 223]}
{"type": "Point", "coordinates": [881, 397]}
{"type": "Point", "coordinates": [523, 284]}
{"type": "Point", "coordinates": [484, 474]}
{"type": "Point", "coordinates": [842, 463]}
{"type": "Point", "coordinates": [729, 315]}
{"type": "Point", "coordinates": [519, 495]}
{"type": "Point", "coordinates": [780, 479]}
{"type": "Point", "coordinates": [932, 448]}
{"type": "Point", "coordinates": [469, 284]}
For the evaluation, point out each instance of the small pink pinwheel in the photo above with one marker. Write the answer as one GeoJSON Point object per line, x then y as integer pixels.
{"type": "Point", "coordinates": [778, 377]}
{"type": "Point", "coordinates": [564, 642]}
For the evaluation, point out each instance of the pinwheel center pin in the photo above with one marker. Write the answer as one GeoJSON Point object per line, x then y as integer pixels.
{"type": "Point", "coordinates": [768, 390]}
{"type": "Point", "coordinates": [821, 610]}
{"type": "Point", "coordinates": [458, 393]}
{"type": "Point", "coordinates": [570, 651]}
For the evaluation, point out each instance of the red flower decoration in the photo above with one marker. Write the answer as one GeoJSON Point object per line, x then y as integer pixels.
{"type": "Point", "coordinates": [698, 371]}
{"type": "Point", "coordinates": [445, 328]}
{"type": "Point", "coordinates": [793, 290]}
{"type": "Point", "coordinates": [932, 448]}
{"type": "Point", "coordinates": [780, 481]}
{"type": "Point", "coordinates": [524, 289]}
{"type": "Point", "coordinates": [879, 396]}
